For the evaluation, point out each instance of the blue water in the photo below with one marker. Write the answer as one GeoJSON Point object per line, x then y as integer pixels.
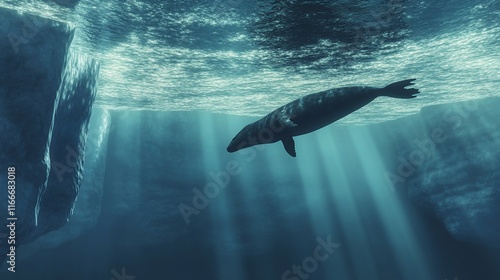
{"type": "Point", "coordinates": [178, 79]}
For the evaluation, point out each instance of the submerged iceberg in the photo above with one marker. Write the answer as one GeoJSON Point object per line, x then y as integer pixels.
{"type": "Point", "coordinates": [46, 97]}
{"type": "Point", "coordinates": [448, 158]}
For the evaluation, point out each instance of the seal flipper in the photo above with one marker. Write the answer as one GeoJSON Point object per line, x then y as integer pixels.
{"type": "Point", "coordinates": [289, 145]}
{"type": "Point", "coordinates": [398, 90]}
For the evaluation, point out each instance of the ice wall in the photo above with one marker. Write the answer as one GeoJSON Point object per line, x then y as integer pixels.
{"type": "Point", "coordinates": [46, 96]}
{"type": "Point", "coordinates": [87, 208]}
{"type": "Point", "coordinates": [449, 158]}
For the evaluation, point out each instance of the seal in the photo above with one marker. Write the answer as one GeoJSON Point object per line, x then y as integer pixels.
{"type": "Point", "coordinates": [312, 112]}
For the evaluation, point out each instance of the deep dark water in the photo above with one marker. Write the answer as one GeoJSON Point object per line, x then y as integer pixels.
{"type": "Point", "coordinates": [115, 246]}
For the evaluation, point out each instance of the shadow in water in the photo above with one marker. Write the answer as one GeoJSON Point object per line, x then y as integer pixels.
{"type": "Point", "coordinates": [328, 34]}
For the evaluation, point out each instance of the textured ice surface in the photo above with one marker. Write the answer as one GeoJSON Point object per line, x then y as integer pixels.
{"type": "Point", "coordinates": [454, 151]}
{"type": "Point", "coordinates": [88, 205]}
{"type": "Point", "coordinates": [46, 96]}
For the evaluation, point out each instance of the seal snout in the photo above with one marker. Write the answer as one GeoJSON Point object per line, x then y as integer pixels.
{"type": "Point", "coordinates": [232, 147]}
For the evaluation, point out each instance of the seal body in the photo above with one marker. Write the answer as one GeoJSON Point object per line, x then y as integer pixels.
{"type": "Point", "coordinates": [313, 112]}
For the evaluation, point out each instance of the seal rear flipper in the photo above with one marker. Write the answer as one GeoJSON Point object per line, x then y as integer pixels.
{"type": "Point", "coordinates": [398, 89]}
{"type": "Point", "coordinates": [289, 145]}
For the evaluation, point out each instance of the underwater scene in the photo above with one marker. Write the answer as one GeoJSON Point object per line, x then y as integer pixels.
{"type": "Point", "coordinates": [257, 139]}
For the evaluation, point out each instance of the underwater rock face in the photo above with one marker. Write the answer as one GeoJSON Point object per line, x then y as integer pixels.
{"type": "Point", "coordinates": [449, 160]}
{"type": "Point", "coordinates": [46, 97]}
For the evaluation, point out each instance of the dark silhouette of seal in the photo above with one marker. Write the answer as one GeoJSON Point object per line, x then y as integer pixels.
{"type": "Point", "coordinates": [313, 112]}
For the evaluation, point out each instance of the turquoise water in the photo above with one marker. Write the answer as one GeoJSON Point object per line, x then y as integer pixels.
{"type": "Point", "coordinates": [232, 57]}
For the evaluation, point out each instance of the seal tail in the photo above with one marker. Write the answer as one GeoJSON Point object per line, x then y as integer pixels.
{"type": "Point", "coordinates": [398, 90]}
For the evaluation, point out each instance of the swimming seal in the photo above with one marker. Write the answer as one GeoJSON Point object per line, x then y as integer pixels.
{"type": "Point", "coordinates": [313, 112]}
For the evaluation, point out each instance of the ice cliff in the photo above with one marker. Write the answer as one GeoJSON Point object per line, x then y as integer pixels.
{"type": "Point", "coordinates": [449, 158]}
{"type": "Point", "coordinates": [46, 97]}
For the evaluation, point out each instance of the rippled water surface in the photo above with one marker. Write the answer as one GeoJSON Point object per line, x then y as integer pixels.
{"type": "Point", "coordinates": [249, 57]}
